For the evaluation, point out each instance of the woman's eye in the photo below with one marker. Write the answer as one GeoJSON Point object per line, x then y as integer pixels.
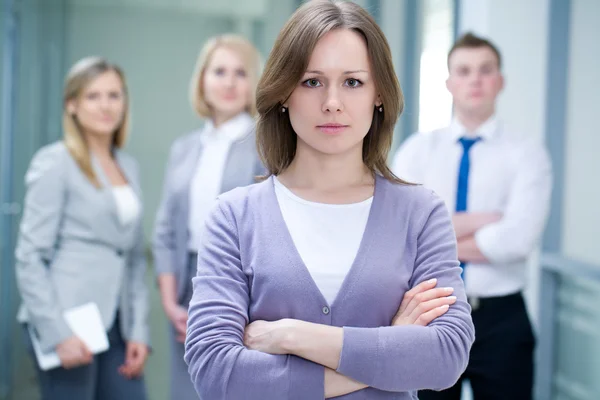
{"type": "Point", "coordinates": [353, 82]}
{"type": "Point", "coordinates": [312, 83]}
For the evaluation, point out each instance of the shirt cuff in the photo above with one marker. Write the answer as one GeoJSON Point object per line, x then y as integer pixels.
{"type": "Point", "coordinates": [52, 333]}
{"type": "Point", "coordinates": [163, 261]}
{"type": "Point", "coordinates": [140, 334]}
{"type": "Point", "coordinates": [359, 354]}
{"type": "Point", "coordinates": [486, 239]}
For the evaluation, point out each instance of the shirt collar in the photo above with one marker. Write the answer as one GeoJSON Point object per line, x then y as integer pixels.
{"type": "Point", "coordinates": [486, 130]}
{"type": "Point", "coordinates": [233, 129]}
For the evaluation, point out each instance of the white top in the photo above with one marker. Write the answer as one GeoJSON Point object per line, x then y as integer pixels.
{"type": "Point", "coordinates": [509, 174]}
{"type": "Point", "coordinates": [206, 181]}
{"type": "Point", "coordinates": [128, 205]}
{"type": "Point", "coordinates": [327, 236]}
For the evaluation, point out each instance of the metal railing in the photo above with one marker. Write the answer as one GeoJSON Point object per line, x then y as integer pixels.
{"type": "Point", "coordinates": [555, 267]}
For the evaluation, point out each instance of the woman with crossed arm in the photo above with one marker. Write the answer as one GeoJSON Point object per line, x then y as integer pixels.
{"type": "Point", "coordinates": [301, 277]}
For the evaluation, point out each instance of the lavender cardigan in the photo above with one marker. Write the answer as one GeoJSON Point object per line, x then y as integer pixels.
{"type": "Point", "coordinates": [249, 269]}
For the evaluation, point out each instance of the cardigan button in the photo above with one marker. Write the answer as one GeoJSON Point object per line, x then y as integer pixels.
{"type": "Point", "coordinates": [326, 310]}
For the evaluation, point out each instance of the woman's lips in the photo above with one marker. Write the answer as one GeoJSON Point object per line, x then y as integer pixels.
{"type": "Point", "coordinates": [332, 129]}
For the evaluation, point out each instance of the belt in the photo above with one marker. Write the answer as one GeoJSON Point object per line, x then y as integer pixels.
{"type": "Point", "coordinates": [490, 302]}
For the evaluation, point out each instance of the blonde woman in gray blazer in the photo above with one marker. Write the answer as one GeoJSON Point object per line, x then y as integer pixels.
{"type": "Point", "coordinates": [217, 158]}
{"type": "Point", "coordinates": [81, 241]}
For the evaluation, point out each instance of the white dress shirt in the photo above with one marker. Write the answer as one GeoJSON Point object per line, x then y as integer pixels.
{"type": "Point", "coordinates": [206, 181]}
{"type": "Point", "coordinates": [128, 205]}
{"type": "Point", "coordinates": [327, 236]}
{"type": "Point", "coordinates": [509, 174]}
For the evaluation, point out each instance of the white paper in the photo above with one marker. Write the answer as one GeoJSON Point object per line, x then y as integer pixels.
{"type": "Point", "coordinates": [86, 323]}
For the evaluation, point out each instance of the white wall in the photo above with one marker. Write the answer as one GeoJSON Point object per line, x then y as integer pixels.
{"type": "Point", "coordinates": [581, 233]}
{"type": "Point", "coordinates": [520, 30]}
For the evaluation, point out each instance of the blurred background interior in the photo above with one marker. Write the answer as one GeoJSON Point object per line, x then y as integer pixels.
{"type": "Point", "coordinates": [551, 50]}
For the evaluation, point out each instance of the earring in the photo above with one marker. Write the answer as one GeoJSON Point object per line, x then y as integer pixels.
{"type": "Point", "coordinates": [283, 109]}
{"type": "Point", "coordinates": [380, 109]}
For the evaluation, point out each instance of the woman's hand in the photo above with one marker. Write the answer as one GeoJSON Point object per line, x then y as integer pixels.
{"type": "Point", "coordinates": [73, 353]}
{"type": "Point", "coordinates": [135, 358]}
{"type": "Point", "coordinates": [423, 303]}
{"type": "Point", "coordinates": [269, 337]}
{"type": "Point", "coordinates": [178, 317]}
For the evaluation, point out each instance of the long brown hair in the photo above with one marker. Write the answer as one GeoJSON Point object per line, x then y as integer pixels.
{"type": "Point", "coordinates": [276, 139]}
{"type": "Point", "coordinates": [79, 76]}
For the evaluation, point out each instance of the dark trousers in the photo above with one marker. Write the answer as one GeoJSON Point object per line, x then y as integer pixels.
{"type": "Point", "coordinates": [501, 359]}
{"type": "Point", "coordinates": [99, 380]}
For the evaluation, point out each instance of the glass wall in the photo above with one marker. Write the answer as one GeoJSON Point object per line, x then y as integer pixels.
{"type": "Point", "coordinates": [435, 102]}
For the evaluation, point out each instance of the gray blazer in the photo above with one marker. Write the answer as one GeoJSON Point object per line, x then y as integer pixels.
{"type": "Point", "coordinates": [170, 243]}
{"type": "Point", "coordinates": [72, 249]}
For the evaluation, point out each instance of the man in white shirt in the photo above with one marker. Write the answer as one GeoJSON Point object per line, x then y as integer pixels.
{"type": "Point", "coordinates": [497, 185]}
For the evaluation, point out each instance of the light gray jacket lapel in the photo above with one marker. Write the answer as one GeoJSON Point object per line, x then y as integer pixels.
{"type": "Point", "coordinates": [240, 167]}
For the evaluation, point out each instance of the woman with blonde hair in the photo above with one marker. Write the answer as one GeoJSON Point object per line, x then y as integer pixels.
{"type": "Point", "coordinates": [319, 281]}
{"type": "Point", "coordinates": [214, 159]}
{"type": "Point", "coordinates": [81, 241]}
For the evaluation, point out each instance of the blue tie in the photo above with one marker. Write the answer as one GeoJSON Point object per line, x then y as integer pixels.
{"type": "Point", "coordinates": [463, 178]}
